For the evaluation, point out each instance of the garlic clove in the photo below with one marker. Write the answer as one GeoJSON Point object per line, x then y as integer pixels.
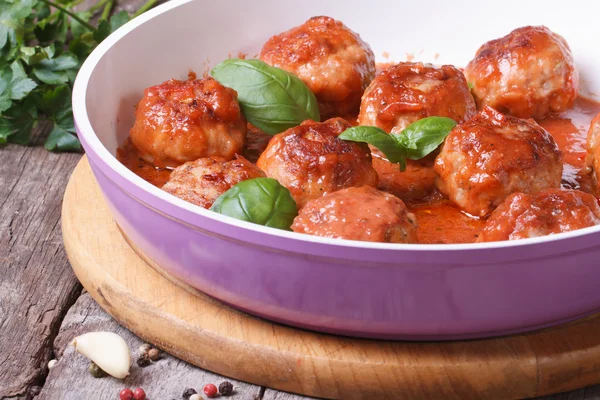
{"type": "Point", "coordinates": [108, 350]}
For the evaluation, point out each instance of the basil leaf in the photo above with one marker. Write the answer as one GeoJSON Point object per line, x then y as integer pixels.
{"type": "Point", "coordinates": [271, 99]}
{"type": "Point", "coordinates": [424, 136]}
{"type": "Point", "coordinates": [263, 201]}
{"type": "Point", "coordinates": [379, 138]}
{"type": "Point", "coordinates": [414, 142]}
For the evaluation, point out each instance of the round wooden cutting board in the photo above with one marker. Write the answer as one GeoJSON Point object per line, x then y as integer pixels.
{"type": "Point", "coordinates": [204, 332]}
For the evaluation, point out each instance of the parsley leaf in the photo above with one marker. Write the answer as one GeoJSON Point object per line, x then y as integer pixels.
{"type": "Point", "coordinates": [14, 85]}
{"type": "Point", "coordinates": [61, 139]}
{"type": "Point", "coordinates": [42, 46]}
{"type": "Point", "coordinates": [11, 12]}
{"type": "Point", "coordinates": [17, 123]}
{"type": "Point", "coordinates": [105, 28]}
{"type": "Point", "coordinates": [54, 71]}
{"type": "Point", "coordinates": [21, 85]}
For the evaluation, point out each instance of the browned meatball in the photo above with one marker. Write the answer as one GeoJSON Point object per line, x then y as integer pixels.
{"type": "Point", "coordinates": [334, 62]}
{"type": "Point", "coordinates": [491, 156]}
{"type": "Point", "coordinates": [551, 211]}
{"type": "Point", "coordinates": [361, 213]}
{"type": "Point", "coordinates": [593, 151]}
{"type": "Point", "coordinates": [401, 95]}
{"type": "Point", "coordinates": [180, 121]}
{"type": "Point", "coordinates": [416, 182]}
{"type": "Point", "coordinates": [200, 182]}
{"type": "Point", "coordinates": [311, 161]}
{"type": "Point", "coordinates": [528, 73]}
{"type": "Point", "coordinates": [407, 92]}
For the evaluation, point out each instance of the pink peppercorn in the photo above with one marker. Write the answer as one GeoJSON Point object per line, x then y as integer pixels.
{"type": "Point", "coordinates": [126, 394]}
{"type": "Point", "coordinates": [210, 390]}
{"type": "Point", "coordinates": [139, 394]}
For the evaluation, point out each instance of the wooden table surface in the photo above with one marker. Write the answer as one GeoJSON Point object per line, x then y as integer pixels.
{"type": "Point", "coordinates": [42, 305]}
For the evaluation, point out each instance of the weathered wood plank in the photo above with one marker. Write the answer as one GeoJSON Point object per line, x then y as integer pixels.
{"type": "Point", "coordinates": [165, 379]}
{"type": "Point", "coordinates": [36, 281]}
{"type": "Point", "coordinates": [271, 394]}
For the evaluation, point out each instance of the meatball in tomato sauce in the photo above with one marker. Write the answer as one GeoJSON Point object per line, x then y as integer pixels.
{"type": "Point", "coordinates": [334, 62]}
{"type": "Point", "coordinates": [311, 161]}
{"type": "Point", "coordinates": [491, 156]}
{"type": "Point", "coordinates": [361, 213]}
{"type": "Point", "coordinates": [593, 151]}
{"type": "Point", "coordinates": [401, 95]}
{"type": "Point", "coordinates": [407, 92]}
{"type": "Point", "coordinates": [551, 211]}
{"type": "Point", "coordinates": [528, 73]}
{"type": "Point", "coordinates": [179, 121]}
{"type": "Point", "coordinates": [200, 182]}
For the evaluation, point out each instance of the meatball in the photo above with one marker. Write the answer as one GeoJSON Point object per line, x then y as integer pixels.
{"type": "Point", "coordinates": [491, 156]}
{"type": "Point", "coordinates": [361, 213]}
{"type": "Point", "coordinates": [407, 92]}
{"type": "Point", "coordinates": [551, 211]}
{"type": "Point", "coordinates": [311, 161]}
{"type": "Point", "coordinates": [180, 121]}
{"type": "Point", "coordinates": [416, 182]}
{"type": "Point", "coordinates": [593, 150]}
{"type": "Point", "coordinates": [401, 95]}
{"type": "Point", "coordinates": [528, 73]}
{"type": "Point", "coordinates": [334, 62]}
{"type": "Point", "coordinates": [200, 182]}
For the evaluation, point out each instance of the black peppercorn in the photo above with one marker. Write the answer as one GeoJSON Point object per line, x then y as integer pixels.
{"type": "Point", "coordinates": [187, 393]}
{"type": "Point", "coordinates": [96, 371]}
{"type": "Point", "coordinates": [143, 360]}
{"type": "Point", "coordinates": [226, 388]}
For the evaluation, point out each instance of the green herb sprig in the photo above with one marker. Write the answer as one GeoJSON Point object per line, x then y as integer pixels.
{"type": "Point", "coordinates": [415, 142]}
{"type": "Point", "coordinates": [42, 46]}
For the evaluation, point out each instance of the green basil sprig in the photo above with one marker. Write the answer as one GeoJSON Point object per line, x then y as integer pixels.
{"type": "Point", "coordinates": [263, 201]}
{"type": "Point", "coordinates": [271, 99]}
{"type": "Point", "coordinates": [414, 142]}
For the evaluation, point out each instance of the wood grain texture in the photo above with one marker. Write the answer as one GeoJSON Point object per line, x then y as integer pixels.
{"type": "Point", "coordinates": [36, 282]}
{"type": "Point", "coordinates": [189, 324]}
{"type": "Point", "coordinates": [37, 285]}
{"type": "Point", "coordinates": [165, 379]}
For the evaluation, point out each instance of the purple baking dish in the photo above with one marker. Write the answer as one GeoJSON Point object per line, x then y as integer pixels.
{"type": "Point", "coordinates": [416, 292]}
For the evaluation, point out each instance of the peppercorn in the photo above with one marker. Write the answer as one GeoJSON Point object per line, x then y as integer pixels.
{"type": "Point", "coordinates": [210, 390]}
{"type": "Point", "coordinates": [145, 348]}
{"type": "Point", "coordinates": [187, 393]}
{"type": "Point", "coordinates": [143, 360]}
{"type": "Point", "coordinates": [96, 371]}
{"type": "Point", "coordinates": [139, 394]}
{"type": "Point", "coordinates": [126, 394]}
{"type": "Point", "coordinates": [154, 354]}
{"type": "Point", "coordinates": [226, 388]}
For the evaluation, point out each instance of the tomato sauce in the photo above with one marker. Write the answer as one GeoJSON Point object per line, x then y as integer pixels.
{"type": "Point", "coordinates": [129, 156]}
{"type": "Point", "coordinates": [439, 221]}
